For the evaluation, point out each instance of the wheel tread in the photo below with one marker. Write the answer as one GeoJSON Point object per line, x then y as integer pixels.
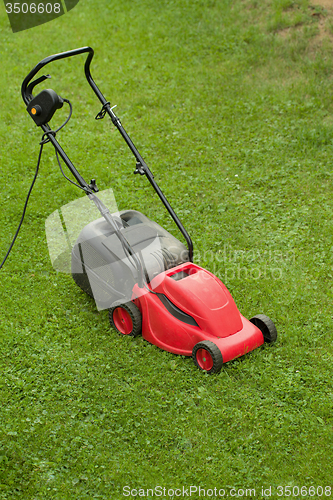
{"type": "Point", "coordinates": [266, 326]}
{"type": "Point", "coordinates": [214, 352]}
{"type": "Point", "coordinates": [135, 314]}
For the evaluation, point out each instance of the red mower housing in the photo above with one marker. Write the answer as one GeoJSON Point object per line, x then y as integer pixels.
{"type": "Point", "coordinates": [192, 313]}
{"type": "Point", "coordinates": [199, 296]}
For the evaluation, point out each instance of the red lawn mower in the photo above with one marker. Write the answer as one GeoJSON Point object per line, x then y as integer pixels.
{"type": "Point", "coordinates": [137, 270]}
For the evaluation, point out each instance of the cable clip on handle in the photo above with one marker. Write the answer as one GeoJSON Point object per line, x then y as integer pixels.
{"type": "Point", "coordinates": [102, 112]}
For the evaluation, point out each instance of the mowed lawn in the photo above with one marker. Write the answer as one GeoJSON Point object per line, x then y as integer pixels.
{"type": "Point", "coordinates": [230, 103]}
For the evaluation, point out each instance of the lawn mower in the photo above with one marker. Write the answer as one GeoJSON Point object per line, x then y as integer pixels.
{"type": "Point", "coordinates": [136, 269]}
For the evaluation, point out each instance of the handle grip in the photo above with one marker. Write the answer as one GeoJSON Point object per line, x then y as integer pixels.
{"type": "Point", "coordinates": [26, 96]}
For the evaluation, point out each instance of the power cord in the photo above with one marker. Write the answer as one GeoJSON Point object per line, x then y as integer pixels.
{"type": "Point", "coordinates": [25, 206]}
{"type": "Point", "coordinates": [63, 173]}
{"type": "Point", "coordinates": [44, 140]}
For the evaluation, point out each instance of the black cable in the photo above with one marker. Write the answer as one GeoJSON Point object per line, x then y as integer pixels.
{"type": "Point", "coordinates": [68, 117]}
{"type": "Point", "coordinates": [61, 170]}
{"type": "Point", "coordinates": [54, 132]}
{"type": "Point", "coordinates": [25, 205]}
{"type": "Point", "coordinates": [43, 141]}
{"type": "Point", "coordinates": [56, 152]}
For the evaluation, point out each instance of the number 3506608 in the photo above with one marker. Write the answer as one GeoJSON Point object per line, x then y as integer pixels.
{"type": "Point", "coordinates": [33, 8]}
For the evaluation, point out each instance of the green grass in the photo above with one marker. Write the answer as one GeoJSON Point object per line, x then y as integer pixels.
{"type": "Point", "coordinates": [230, 103]}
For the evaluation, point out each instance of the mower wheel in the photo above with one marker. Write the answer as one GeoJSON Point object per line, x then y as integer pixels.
{"type": "Point", "coordinates": [266, 326]}
{"type": "Point", "coordinates": [126, 319]}
{"type": "Point", "coordinates": [207, 356]}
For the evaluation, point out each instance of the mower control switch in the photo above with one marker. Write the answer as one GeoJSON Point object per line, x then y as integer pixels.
{"type": "Point", "coordinates": [42, 107]}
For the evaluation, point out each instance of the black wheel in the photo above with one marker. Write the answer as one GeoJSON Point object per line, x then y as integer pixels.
{"type": "Point", "coordinates": [266, 326]}
{"type": "Point", "coordinates": [207, 356]}
{"type": "Point", "coordinates": [126, 319]}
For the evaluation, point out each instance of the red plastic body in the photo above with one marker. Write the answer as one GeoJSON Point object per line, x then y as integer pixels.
{"type": "Point", "coordinates": [206, 299]}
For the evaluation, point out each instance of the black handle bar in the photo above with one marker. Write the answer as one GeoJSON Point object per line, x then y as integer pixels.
{"type": "Point", "coordinates": [26, 91]}
{"type": "Point", "coordinates": [26, 96]}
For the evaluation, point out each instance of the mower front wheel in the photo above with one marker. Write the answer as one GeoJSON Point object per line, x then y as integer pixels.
{"type": "Point", "coordinates": [126, 319]}
{"type": "Point", "coordinates": [266, 326]}
{"type": "Point", "coordinates": [207, 356]}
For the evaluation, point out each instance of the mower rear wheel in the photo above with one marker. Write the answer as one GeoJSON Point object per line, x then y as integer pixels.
{"type": "Point", "coordinates": [126, 319]}
{"type": "Point", "coordinates": [207, 356]}
{"type": "Point", "coordinates": [266, 326]}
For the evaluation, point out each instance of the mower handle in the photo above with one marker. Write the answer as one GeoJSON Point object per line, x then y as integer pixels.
{"type": "Point", "coordinates": [26, 95]}
{"type": "Point", "coordinates": [26, 91]}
